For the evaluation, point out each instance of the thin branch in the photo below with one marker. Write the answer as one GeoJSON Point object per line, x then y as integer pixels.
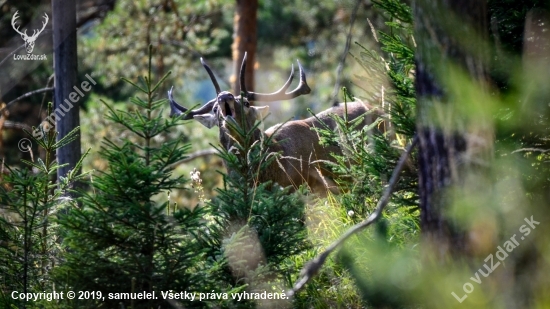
{"type": "Point", "coordinates": [531, 150]}
{"type": "Point", "coordinates": [13, 52]}
{"type": "Point", "coordinates": [28, 94]}
{"type": "Point", "coordinates": [313, 266]}
{"type": "Point", "coordinates": [194, 155]}
{"type": "Point", "coordinates": [48, 83]}
{"type": "Point", "coordinates": [16, 125]}
{"type": "Point", "coordinates": [344, 54]}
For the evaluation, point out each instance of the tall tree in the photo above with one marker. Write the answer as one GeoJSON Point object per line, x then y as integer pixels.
{"type": "Point", "coordinates": [65, 70]}
{"type": "Point", "coordinates": [450, 38]}
{"type": "Point", "coordinates": [245, 28]}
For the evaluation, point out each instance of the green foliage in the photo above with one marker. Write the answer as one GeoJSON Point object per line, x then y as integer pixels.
{"type": "Point", "coordinates": [370, 155]}
{"type": "Point", "coordinates": [374, 155]}
{"type": "Point", "coordinates": [30, 200]}
{"type": "Point", "coordinates": [126, 237]}
{"type": "Point", "coordinates": [264, 222]}
{"type": "Point", "coordinates": [180, 30]}
{"type": "Point", "coordinates": [396, 65]}
{"type": "Point", "coordinates": [522, 120]}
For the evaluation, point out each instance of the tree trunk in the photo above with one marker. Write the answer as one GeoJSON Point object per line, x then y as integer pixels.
{"type": "Point", "coordinates": [244, 40]}
{"type": "Point", "coordinates": [65, 69]}
{"type": "Point", "coordinates": [450, 36]}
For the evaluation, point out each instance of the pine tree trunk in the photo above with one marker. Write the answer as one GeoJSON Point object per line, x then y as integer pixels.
{"type": "Point", "coordinates": [245, 39]}
{"type": "Point", "coordinates": [65, 68]}
{"type": "Point", "coordinates": [444, 133]}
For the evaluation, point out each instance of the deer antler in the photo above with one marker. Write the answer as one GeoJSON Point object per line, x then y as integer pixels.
{"type": "Point", "coordinates": [176, 109]}
{"type": "Point", "coordinates": [13, 19]}
{"type": "Point", "coordinates": [35, 33]}
{"type": "Point", "coordinates": [212, 77]}
{"type": "Point", "coordinates": [280, 94]}
{"type": "Point", "coordinates": [44, 23]}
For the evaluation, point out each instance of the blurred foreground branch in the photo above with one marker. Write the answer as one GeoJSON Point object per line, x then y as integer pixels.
{"type": "Point", "coordinates": [313, 266]}
{"type": "Point", "coordinates": [531, 150]}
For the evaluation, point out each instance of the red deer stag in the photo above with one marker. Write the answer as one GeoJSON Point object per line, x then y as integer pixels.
{"type": "Point", "coordinates": [301, 156]}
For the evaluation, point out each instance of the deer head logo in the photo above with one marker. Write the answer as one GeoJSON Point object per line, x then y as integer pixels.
{"type": "Point", "coordinates": [29, 40]}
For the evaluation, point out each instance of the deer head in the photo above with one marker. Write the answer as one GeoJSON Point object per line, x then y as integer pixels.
{"type": "Point", "coordinates": [237, 110]}
{"type": "Point", "coordinates": [29, 40]}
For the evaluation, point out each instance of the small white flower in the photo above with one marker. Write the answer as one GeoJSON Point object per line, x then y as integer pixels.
{"type": "Point", "coordinates": [351, 213]}
{"type": "Point", "coordinates": [195, 176]}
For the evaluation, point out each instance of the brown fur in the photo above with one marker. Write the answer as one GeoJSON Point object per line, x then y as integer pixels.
{"type": "Point", "coordinates": [302, 159]}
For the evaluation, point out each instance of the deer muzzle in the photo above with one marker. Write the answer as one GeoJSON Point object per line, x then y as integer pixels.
{"type": "Point", "coordinates": [226, 103]}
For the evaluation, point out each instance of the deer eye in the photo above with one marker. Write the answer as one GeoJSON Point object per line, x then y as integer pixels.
{"type": "Point", "coordinates": [246, 103]}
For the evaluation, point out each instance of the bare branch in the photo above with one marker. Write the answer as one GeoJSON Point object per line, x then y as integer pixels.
{"type": "Point", "coordinates": [48, 83]}
{"type": "Point", "coordinates": [13, 52]}
{"type": "Point", "coordinates": [313, 266]}
{"type": "Point", "coordinates": [344, 54]}
{"type": "Point", "coordinates": [28, 94]}
{"type": "Point", "coordinates": [194, 155]}
{"type": "Point", "coordinates": [17, 125]}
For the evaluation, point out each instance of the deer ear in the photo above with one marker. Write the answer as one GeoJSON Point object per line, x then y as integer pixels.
{"type": "Point", "coordinates": [207, 120]}
{"type": "Point", "coordinates": [261, 112]}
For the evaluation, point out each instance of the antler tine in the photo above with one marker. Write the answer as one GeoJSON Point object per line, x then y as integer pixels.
{"type": "Point", "coordinates": [243, 84]}
{"type": "Point", "coordinates": [288, 81]}
{"type": "Point", "coordinates": [177, 110]}
{"type": "Point", "coordinates": [35, 32]}
{"type": "Point", "coordinates": [280, 94]}
{"type": "Point", "coordinates": [13, 19]}
{"type": "Point", "coordinates": [212, 77]}
{"type": "Point", "coordinates": [44, 23]}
